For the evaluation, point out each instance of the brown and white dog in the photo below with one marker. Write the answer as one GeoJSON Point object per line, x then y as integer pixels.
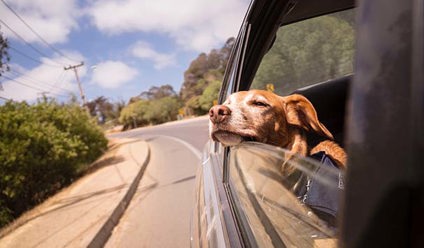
{"type": "Point", "coordinates": [265, 117]}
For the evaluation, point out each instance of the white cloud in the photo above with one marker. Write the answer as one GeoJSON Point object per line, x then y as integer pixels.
{"type": "Point", "coordinates": [143, 50]}
{"type": "Point", "coordinates": [52, 20]}
{"type": "Point", "coordinates": [113, 74]}
{"type": "Point", "coordinates": [29, 85]}
{"type": "Point", "coordinates": [198, 25]}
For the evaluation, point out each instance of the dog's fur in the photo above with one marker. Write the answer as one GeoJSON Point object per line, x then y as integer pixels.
{"type": "Point", "coordinates": [265, 117]}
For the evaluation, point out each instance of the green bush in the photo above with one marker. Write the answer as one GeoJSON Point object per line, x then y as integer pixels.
{"type": "Point", "coordinates": [162, 110]}
{"type": "Point", "coordinates": [132, 114]}
{"type": "Point", "coordinates": [43, 147]}
{"type": "Point", "coordinates": [145, 112]}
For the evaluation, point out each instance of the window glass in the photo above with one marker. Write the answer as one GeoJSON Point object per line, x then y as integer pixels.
{"type": "Point", "coordinates": [308, 52]}
{"type": "Point", "coordinates": [296, 209]}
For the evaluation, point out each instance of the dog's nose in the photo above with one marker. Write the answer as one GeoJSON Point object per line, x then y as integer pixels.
{"type": "Point", "coordinates": [219, 113]}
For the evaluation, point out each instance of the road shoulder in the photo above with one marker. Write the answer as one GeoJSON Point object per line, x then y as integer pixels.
{"type": "Point", "coordinates": [76, 215]}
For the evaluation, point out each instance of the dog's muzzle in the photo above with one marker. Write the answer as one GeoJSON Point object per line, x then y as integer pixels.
{"type": "Point", "coordinates": [219, 114]}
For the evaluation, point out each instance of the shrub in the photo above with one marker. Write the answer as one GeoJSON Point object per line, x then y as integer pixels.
{"type": "Point", "coordinates": [162, 110]}
{"type": "Point", "coordinates": [155, 111]}
{"type": "Point", "coordinates": [43, 147]}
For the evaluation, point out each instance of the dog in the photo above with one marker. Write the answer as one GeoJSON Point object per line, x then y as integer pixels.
{"type": "Point", "coordinates": [265, 117]}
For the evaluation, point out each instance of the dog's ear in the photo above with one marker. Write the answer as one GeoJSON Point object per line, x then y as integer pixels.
{"type": "Point", "coordinates": [300, 112]}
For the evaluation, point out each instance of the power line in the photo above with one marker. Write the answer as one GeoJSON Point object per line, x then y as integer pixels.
{"type": "Point", "coordinates": [39, 82]}
{"type": "Point", "coordinates": [30, 86]}
{"type": "Point", "coordinates": [60, 78]}
{"type": "Point", "coordinates": [26, 42]}
{"type": "Point", "coordinates": [33, 59]}
{"type": "Point", "coordinates": [4, 98]}
{"type": "Point", "coordinates": [34, 32]}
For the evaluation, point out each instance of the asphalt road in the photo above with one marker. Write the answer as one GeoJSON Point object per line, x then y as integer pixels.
{"type": "Point", "coordinates": [193, 131]}
{"type": "Point", "coordinates": [159, 214]}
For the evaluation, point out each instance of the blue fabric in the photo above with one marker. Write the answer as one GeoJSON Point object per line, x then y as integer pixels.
{"type": "Point", "coordinates": [321, 198]}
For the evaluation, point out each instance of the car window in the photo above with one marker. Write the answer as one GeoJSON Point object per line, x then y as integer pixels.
{"type": "Point", "coordinates": [278, 209]}
{"type": "Point", "coordinates": [308, 52]}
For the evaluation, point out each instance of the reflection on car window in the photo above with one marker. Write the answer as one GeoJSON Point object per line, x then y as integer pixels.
{"type": "Point", "coordinates": [308, 52]}
{"type": "Point", "coordinates": [273, 203]}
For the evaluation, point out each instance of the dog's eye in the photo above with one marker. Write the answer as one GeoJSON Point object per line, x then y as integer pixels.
{"type": "Point", "coordinates": [260, 104]}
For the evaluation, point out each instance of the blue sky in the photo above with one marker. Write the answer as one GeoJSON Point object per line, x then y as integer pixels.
{"type": "Point", "coordinates": [127, 46]}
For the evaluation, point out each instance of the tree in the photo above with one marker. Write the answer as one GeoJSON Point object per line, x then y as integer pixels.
{"type": "Point", "coordinates": [133, 115]}
{"type": "Point", "coordinates": [198, 76]}
{"type": "Point", "coordinates": [158, 92]}
{"type": "Point", "coordinates": [206, 100]}
{"type": "Point", "coordinates": [162, 110]}
{"type": "Point", "coordinates": [155, 106]}
{"type": "Point", "coordinates": [307, 52]}
{"type": "Point", "coordinates": [104, 110]}
{"type": "Point", "coordinates": [4, 55]}
{"type": "Point", "coordinates": [192, 76]}
{"type": "Point", "coordinates": [198, 92]}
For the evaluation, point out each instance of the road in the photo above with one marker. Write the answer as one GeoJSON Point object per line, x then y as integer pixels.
{"type": "Point", "coordinates": [160, 212]}
{"type": "Point", "coordinates": [193, 131]}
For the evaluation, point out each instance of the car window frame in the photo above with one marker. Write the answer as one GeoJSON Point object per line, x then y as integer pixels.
{"type": "Point", "coordinates": [236, 80]}
{"type": "Point", "coordinates": [230, 84]}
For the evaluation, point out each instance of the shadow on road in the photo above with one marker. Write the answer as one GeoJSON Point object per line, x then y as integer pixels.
{"type": "Point", "coordinates": [58, 205]}
{"type": "Point", "coordinates": [184, 179]}
{"type": "Point", "coordinates": [68, 202]}
{"type": "Point", "coordinates": [103, 162]}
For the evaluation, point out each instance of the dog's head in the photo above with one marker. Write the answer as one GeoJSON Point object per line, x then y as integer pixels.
{"type": "Point", "coordinates": [265, 117]}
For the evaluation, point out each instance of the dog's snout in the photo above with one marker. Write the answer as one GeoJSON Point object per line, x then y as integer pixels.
{"type": "Point", "coordinates": [219, 113]}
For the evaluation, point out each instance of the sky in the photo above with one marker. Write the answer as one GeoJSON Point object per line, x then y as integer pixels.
{"type": "Point", "coordinates": [126, 46]}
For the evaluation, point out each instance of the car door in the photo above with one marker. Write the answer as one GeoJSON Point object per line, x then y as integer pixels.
{"type": "Point", "coordinates": [228, 211]}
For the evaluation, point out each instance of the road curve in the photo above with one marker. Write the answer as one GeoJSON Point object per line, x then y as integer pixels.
{"type": "Point", "coordinates": [160, 212]}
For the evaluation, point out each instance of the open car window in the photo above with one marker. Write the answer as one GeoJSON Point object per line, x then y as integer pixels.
{"type": "Point", "coordinates": [297, 209]}
{"type": "Point", "coordinates": [307, 52]}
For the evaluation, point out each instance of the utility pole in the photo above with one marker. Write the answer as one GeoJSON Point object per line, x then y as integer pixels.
{"type": "Point", "coordinates": [74, 68]}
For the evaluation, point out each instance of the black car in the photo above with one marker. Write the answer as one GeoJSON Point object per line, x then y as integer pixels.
{"type": "Point", "coordinates": [361, 64]}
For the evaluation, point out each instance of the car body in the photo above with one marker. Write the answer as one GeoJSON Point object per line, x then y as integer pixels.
{"type": "Point", "coordinates": [372, 104]}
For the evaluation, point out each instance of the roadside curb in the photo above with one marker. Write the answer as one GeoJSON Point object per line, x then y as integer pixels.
{"type": "Point", "coordinates": [105, 231]}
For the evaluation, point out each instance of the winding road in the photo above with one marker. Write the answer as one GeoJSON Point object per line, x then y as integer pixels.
{"type": "Point", "coordinates": [160, 212]}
